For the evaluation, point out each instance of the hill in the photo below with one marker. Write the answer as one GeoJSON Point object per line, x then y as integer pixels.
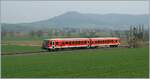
{"type": "Point", "coordinates": [76, 19]}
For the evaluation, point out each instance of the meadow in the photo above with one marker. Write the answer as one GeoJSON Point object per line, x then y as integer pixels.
{"type": "Point", "coordinates": [20, 45]}
{"type": "Point", "coordinates": [102, 63]}
{"type": "Point", "coordinates": [11, 49]}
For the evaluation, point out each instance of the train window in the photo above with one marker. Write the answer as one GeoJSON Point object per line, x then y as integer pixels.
{"type": "Point", "coordinates": [56, 43]}
{"type": "Point", "coordinates": [62, 43]}
{"type": "Point", "coordinates": [116, 41]}
{"type": "Point", "coordinates": [106, 41]}
{"type": "Point", "coordinates": [85, 42]}
{"type": "Point", "coordinates": [79, 42]}
{"type": "Point", "coordinates": [50, 43]}
{"type": "Point", "coordinates": [98, 41]}
{"type": "Point", "coordinates": [69, 42]}
{"type": "Point", "coordinates": [111, 41]}
{"type": "Point", "coordinates": [95, 41]}
{"type": "Point", "coordinates": [66, 42]}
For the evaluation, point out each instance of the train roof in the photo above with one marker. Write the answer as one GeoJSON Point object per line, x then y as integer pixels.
{"type": "Point", "coordinates": [106, 38]}
{"type": "Point", "coordinates": [82, 38]}
{"type": "Point", "coordinates": [68, 39]}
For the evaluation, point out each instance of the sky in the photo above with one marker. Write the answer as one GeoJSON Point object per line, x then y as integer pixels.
{"type": "Point", "coordinates": [30, 11]}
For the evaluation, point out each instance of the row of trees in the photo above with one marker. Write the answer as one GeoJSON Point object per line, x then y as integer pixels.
{"type": "Point", "coordinates": [135, 36]}
{"type": "Point", "coordinates": [54, 32]}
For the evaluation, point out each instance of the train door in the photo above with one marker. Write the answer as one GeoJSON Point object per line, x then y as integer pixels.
{"type": "Point", "coordinates": [53, 45]}
{"type": "Point", "coordinates": [89, 43]}
{"type": "Point", "coordinates": [56, 44]}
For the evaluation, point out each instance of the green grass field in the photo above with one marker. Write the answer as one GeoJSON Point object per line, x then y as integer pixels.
{"type": "Point", "coordinates": [118, 62]}
{"type": "Point", "coordinates": [18, 49]}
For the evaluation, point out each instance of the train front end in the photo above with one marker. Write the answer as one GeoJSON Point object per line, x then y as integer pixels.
{"type": "Point", "coordinates": [47, 44]}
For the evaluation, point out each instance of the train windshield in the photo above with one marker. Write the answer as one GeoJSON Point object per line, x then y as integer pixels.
{"type": "Point", "coordinates": [45, 44]}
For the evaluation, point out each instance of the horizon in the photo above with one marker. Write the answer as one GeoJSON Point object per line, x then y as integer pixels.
{"type": "Point", "coordinates": [13, 12]}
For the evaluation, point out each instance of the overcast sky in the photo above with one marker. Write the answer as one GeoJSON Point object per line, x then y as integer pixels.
{"type": "Point", "coordinates": [29, 11]}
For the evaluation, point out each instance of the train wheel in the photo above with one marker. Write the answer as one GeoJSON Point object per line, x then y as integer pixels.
{"type": "Point", "coordinates": [49, 50]}
{"type": "Point", "coordinates": [111, 46]}
{"type": "Point", "coordinates": [116, 45]}
{"type": "Point", "coordinates": [88, 46]}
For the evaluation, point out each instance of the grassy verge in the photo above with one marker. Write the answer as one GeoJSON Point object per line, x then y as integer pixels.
{"type": "Point", "coordinates": [118, 62]}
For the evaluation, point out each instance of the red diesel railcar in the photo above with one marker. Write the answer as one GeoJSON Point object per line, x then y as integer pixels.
{"type": "Point", "coordinates": [59, 43]}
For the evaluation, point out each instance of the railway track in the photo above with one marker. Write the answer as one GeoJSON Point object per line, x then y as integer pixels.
{"type": "Point", "coordinates": [58, 51]}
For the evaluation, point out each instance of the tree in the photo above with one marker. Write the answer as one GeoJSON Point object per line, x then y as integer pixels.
{"type": "Point", "coordinates": [32, 33]}
{"type": "Point", "coordinates": [39, 33]}
{"type": "Point", "coordinates": [136, 36]}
